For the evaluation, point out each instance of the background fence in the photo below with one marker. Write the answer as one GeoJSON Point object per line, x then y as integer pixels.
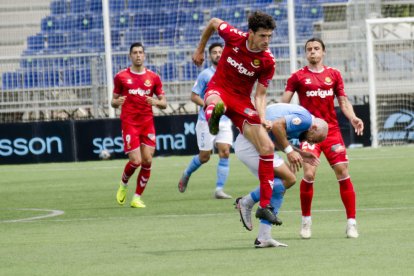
{"type": "Point", "coordinates": [52, 54]}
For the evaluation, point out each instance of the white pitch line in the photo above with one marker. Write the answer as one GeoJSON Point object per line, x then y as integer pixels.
{"type": "Point", "coordinates": [52, 213]}
{"type": "Point", "coordinates": [379, 209]}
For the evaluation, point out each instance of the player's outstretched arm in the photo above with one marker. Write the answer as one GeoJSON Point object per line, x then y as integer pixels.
{"type": "Point", "coordinates": [348, 110]}
{"type": "Point", "coordinates": [212, 26]}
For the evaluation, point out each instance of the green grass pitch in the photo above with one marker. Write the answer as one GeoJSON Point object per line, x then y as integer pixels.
{"type": "Point", "coordinates": [194, 234]}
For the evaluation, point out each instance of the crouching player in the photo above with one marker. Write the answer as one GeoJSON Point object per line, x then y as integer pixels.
{"type": "Point", "coordinates": [287, 122]}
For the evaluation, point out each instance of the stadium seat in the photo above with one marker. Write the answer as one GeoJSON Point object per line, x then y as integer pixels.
{"type": "Point", "coordinates": [117, 6]}
{"type": "Point", "coordinates": [97, 21]}
{"type": "Point", "coordinates": [77, 76]}
{"type": "Point", "coordinates": [138, 5]}
{"type": "Point", "coordinates": [192, 17]}
{"type": "Point", "coordinates": [36, 42]}
{"type": "Point", "coordinates": [304, 29]}
{"type": "Point", "coordinates": [11, 80]}
{"type": "Point", "coordinates": [132, 36]}
{"type": "Point", "coordinates": [168, 71]}
{"type": "Point", "coordinates": [79, 6]}
{"type": "Point", "coordinates": [120, 21]}
{"type": "Point", "coordinates": [56, 41]}
{"type": "Point", "coordinates": [50, 23]}
{"type": "Point", "coordinates": [190, 71]}
{"type": "Point", "coordinates": [278, 12]}
{"type": "Point", "coordinates": [141, 20]}
{"type": "Point", "coordinates": [313, 11]}
{"type": "Point", "coordinates": [59, 7]}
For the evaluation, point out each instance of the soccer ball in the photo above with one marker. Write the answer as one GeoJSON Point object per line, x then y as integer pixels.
{"type": "Point", "coordinates": [104, 154]}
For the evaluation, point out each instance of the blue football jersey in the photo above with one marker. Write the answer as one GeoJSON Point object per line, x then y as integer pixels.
{"type": "Point", "coordinates": [298, 119]}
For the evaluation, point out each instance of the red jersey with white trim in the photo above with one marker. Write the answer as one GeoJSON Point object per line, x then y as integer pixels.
{"type": "Point", "coordinates": [136, 86]}
{"type": "Point", "coordinates": [317, 91]}
{"type": "Point", "coordinates": [239, 68]}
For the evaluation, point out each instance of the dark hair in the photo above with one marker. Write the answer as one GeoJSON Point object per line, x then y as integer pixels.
{"type": "Point", "coordinates": [136, 44]}
{"type": "Point", "coordinates": [213, 45]}
{"type": "Point", "coordinates": [315, 39]}
{"type": "Point", "coordinates": [259, 19]}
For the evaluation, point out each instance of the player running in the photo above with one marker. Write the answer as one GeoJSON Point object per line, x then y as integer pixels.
{"type": "Point", "coordinates": [134, 89]}
{"type": "Point", "coordinates": [205, 141]}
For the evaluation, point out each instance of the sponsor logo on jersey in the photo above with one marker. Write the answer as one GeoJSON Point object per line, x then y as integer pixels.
{"type": "Point", "coordinates": [328, 81]}
{"type": "Point", "coordinates": [239, 66]}
{"type": "Point", "coordinates": [255, 63]}
{"type": "Point", "coordinates": [129, 81]}
{"type": "Point", "coordinates": [296, 121]}
{"type": "Point", "coordinates": [308, 81]}
{"type": "Point", "coordinates": [139, 91]}
{"type": "Point", "coordinates": [236, 49]}
{"type": "Point", "coordinates": [320, 93]}
{"type": "Point", "coordinates": [147, 83]}
{"type": "Point", "coordinates": [223, 26]}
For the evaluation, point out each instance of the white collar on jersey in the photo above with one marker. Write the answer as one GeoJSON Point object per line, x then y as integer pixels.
{"type": "Point", "coordinates": [247, 47]}
{"type": "Point", "coordinates": [317, 71]}
{"type": "Point", "coordinates": [138, 73]}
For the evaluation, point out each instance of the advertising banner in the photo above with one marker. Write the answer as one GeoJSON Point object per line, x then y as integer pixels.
{"type": "Point", "coordinates": [36, 142]}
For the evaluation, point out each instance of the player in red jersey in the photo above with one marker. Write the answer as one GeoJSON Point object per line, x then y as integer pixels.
{"type": "Point", "coordinates": [134, 89]}
{"type": "Point", "coordinates": [317, 86]}
{"type": "Point", "coordinates": [246, 59]}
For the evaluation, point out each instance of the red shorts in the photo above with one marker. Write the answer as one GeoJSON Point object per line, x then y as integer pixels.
{"type": "Point", "coordinates": [238, 108]}
{"type": "Point", "coordinates": [134, 136]}
{"type": "Point", "coordinates": [333, 147]}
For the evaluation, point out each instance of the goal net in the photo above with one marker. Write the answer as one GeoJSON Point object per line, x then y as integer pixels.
{"type": "Point", "coordinates": [390, 44]}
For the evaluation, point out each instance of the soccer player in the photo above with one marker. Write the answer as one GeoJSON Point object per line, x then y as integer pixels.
{"type": "Point", "coordinates": [246, 59]}
{"type": "Point", "coordinates": [134, 89]}
{"type": "Point", "coordinates": [317, 86]}
{"type": "Point", "coordinates": [205, 141]}
{"type": "Point", "coordinates": [289, 122]}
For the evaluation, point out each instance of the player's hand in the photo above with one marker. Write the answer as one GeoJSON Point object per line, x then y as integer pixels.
{"type": "Point", "coordinates": [119, 101]}
{"type": "Point", "coordinates": [358, 124]}
{"type": "Point", "coordinates": [295, 161]}
{"type": "Point", "coordinates": [198, 58]}
{"type": "Point", "coordinates": [151, 101]}
{"type": "Point", "coordinates": [267, 125]}
{"type": "Point", "coordinates": [310, 158]}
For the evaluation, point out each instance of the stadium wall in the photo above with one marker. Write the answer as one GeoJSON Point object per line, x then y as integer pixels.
{"type": "Point", "coordinates": [65, 141]}
{"type": "Point", "coordinates": [83, 140]}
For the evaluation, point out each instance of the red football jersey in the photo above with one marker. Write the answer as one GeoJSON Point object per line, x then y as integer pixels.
{"type": "Point", "coordinates": [136, 86]}
{"type": "Point", "coordinates": [317, 91]}
{"type": "Point", "coordinates": [239, 68]}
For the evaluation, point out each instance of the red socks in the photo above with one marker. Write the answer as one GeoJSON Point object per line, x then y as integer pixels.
{"type": "Point", "coordinates": [266, 176]}
{"type": "Point", "coordinates": [348, 197]}
{"type": "Point", "coordinates": [143, 177]}
{"type": "Point", "coordinates": [346, 190]}
{"type": "Point", "coordinates": [306, 195]}
{"type": "Point", "coordinates": [128, 171]}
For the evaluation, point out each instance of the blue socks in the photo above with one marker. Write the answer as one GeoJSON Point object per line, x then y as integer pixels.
{"type": "Point", "coordinates": [193, 166]}
{"type": "Point", "coordinates": [277, 196]}
{"type": "Point", "coordinates": [222, 172]}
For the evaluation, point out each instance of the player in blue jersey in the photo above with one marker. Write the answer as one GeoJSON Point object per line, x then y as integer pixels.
{"type": "Point", "coordinates": [206, 141]}
{"type": "Point", "coordinates": [289, 123]}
